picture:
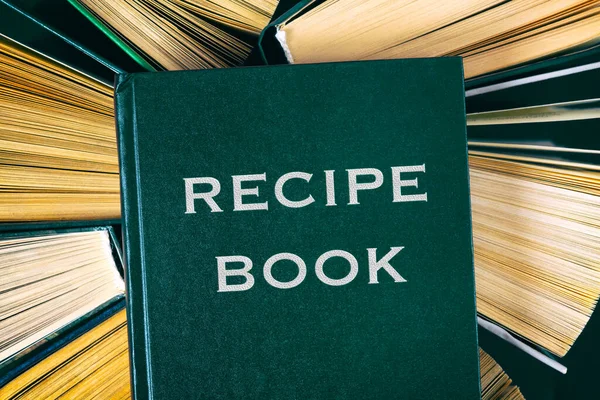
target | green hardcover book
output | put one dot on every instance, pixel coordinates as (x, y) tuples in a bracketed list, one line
[(299, 231)]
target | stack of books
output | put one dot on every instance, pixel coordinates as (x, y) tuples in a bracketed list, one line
[(532, 111)]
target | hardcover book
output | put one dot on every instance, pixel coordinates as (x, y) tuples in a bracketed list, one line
[(94, 364), (299, 231), (498, 40), (175, 35), (58, 280)]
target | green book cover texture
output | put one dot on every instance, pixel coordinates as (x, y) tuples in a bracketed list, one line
[(299, 232)]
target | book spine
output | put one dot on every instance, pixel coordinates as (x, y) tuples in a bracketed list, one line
[(132, 238)]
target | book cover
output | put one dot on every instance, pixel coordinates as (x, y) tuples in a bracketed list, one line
[(561, 79), (193, 35), (299, 231)]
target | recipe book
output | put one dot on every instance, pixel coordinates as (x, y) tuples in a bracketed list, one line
[(299, 231)]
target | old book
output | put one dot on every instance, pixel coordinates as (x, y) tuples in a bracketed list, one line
[(535, 160), (53, 281), (490, 35), (58, 152), (536, 207), (535, 236), (181, 34), (94, 365), (320, 236)]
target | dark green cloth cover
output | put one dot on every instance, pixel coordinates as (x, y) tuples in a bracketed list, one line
[(387, 340)]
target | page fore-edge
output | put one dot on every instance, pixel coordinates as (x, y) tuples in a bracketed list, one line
[(18, 363), (112, 36)]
